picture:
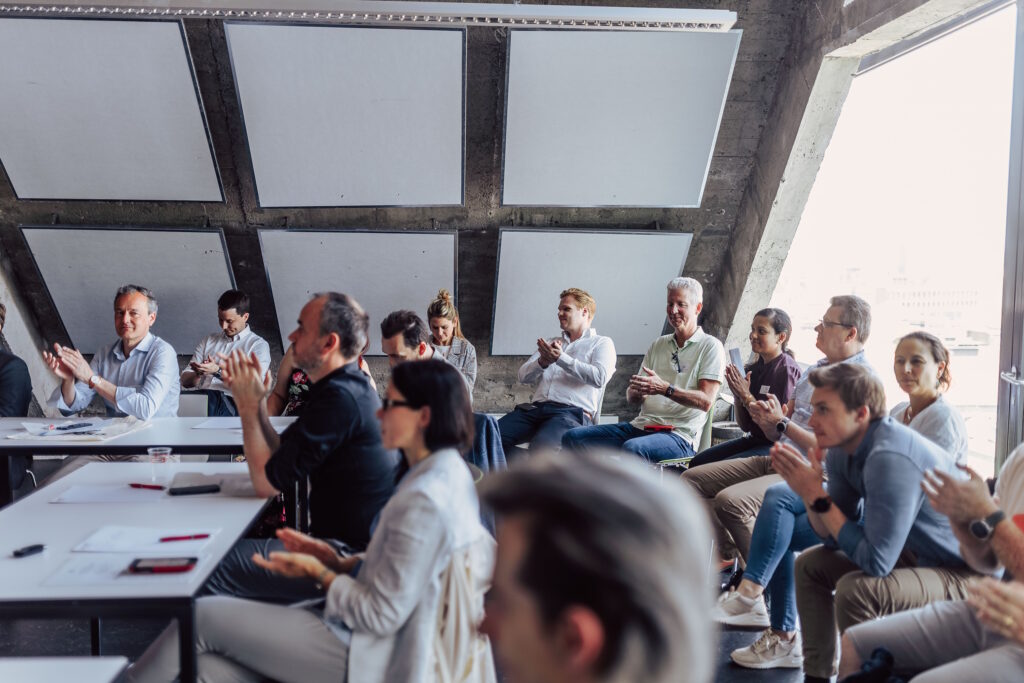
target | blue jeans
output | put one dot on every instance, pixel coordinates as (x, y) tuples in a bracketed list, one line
[(780, 532), (742, 447), (542, 425), (652, 446)]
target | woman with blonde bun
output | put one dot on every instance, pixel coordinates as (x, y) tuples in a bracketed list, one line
[(446, 337)]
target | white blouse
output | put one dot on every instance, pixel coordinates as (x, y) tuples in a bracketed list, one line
[(941, 424)]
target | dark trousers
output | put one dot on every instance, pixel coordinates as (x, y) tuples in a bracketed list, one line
[(742, 447), (218, 404), (239, 577), (542, 425)]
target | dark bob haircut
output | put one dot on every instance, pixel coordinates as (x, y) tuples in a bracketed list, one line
[(439, 386)]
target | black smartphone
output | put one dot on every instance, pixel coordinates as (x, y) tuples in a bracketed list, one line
[(194, 490), (162, 565)]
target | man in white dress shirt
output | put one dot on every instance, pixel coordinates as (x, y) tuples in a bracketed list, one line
[(204, 371), (571, 372)]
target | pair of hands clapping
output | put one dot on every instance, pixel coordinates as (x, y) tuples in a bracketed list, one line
[(549, 352), (305, 557), (68, 363)]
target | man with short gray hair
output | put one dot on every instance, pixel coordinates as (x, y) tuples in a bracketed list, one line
[(676, 386), (601, 574), (135, 376)]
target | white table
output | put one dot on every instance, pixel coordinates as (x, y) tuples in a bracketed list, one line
[(62, 669), (26, 589), (176, 432)]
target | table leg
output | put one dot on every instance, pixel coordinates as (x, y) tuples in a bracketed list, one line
[(187, 642), (95, 636), (6, 494)]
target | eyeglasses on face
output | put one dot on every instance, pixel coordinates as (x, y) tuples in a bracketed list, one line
[(389, 403), (830, 323)]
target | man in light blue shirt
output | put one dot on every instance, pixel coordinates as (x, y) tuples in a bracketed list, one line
[(886, 548), (135, 376)]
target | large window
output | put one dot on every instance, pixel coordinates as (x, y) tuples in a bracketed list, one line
[(909, 212)]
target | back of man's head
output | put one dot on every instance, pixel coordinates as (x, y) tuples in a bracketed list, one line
[(605, 535), (236, 299), (856, 385), (409, 325), (855, 313), (342, 315)]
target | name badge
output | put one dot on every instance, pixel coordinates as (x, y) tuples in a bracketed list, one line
[(765, 389)]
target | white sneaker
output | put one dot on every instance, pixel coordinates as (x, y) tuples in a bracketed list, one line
[(734, 609), (771, 652)]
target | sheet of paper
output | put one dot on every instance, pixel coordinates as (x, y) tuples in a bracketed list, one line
[(235, 423), (220, 423), (144, 540), (62, 428), (89, 571), (109, 493), (98, 570), (735, 358)]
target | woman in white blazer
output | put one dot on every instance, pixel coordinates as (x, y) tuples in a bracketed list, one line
[(380, 619)]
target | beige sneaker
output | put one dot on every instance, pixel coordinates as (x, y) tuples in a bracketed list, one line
[(770, 651), (732, 609)]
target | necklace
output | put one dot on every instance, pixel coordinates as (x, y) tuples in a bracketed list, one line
[(444, 354)]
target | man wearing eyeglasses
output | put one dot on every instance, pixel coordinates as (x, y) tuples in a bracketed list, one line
[(735, 488), (676, 386)]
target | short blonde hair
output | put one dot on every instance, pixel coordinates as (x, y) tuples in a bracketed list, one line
[(583, 299), (444, 307)]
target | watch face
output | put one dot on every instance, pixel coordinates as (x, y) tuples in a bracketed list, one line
[(980, 530)]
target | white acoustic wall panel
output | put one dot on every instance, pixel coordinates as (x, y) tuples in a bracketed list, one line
[(95, 109), (342, 116), (83, 267), (625, 272), (611, 118), (383, 271)]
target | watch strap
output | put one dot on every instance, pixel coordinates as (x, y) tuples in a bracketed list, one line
[(821, 505)]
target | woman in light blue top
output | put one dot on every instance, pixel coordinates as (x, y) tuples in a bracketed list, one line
[(384, 610)]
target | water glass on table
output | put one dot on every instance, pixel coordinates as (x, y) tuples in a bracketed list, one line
[(160, 455)]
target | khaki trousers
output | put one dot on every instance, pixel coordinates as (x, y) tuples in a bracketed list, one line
[(859, 598), (733, 491)]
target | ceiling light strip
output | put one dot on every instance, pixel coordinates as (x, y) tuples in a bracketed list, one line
[(448, 14)]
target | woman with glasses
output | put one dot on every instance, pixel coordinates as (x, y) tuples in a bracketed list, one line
[(921, 365), (775, 372), (416, 592)]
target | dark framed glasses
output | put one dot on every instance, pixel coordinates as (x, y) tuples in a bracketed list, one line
[(389, 403)]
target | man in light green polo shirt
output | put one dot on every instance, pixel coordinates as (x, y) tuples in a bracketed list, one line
[(676, 386)]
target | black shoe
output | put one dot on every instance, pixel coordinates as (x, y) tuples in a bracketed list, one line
[(733, 582)]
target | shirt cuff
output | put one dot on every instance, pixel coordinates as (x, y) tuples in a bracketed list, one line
[(565, 361)]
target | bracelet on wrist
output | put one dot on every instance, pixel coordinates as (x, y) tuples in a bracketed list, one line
[(322, 577)]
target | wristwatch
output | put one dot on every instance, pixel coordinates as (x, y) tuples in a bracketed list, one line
[(822, 505), (781, 425), (93, 380), (982, 529), (670, 391)]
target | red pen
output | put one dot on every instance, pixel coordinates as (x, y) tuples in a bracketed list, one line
[(193, 537), (153, 487)]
